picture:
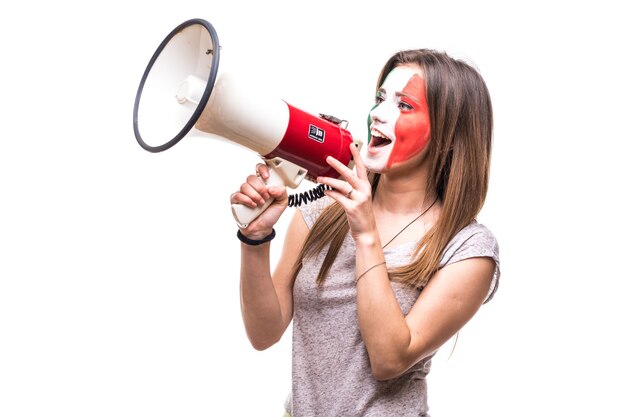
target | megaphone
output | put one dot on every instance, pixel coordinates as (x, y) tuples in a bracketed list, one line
[(181, 91)]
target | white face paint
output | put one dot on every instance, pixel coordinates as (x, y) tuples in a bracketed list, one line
[(400, 126)]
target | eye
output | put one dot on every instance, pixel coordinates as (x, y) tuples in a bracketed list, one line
[(380, 97), (405, 106)]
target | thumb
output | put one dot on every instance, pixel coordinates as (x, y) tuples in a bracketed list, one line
[(278, 192)]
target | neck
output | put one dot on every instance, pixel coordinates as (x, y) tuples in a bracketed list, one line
[(402, 192)]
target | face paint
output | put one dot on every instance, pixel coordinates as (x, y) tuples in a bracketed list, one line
[(400, 124)]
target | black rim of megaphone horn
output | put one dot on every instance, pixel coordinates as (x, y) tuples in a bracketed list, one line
[(205, 97)]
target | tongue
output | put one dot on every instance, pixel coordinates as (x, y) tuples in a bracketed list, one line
[(379, 142)]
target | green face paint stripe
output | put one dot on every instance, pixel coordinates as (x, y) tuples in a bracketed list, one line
[(369, 123)]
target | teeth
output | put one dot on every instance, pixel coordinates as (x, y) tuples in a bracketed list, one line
[(377, 134), (378, 139)]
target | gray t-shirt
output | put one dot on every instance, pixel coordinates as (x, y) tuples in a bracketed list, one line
[(331, 374)]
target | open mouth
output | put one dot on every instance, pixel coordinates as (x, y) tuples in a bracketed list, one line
[(378, 139)]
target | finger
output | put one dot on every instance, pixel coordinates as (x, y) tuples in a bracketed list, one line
[(263, 170), (338, 196), (258, 185), (361, 170), (343, 170), (240, 198), (278, 193), (253, 193), (336, 184)]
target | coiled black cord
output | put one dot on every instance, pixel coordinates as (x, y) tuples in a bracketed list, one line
[(296, 200)]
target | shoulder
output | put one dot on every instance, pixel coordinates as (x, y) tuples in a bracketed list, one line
[(474, 240), (311, 211)]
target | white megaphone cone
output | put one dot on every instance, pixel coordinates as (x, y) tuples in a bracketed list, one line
[(181, 90)]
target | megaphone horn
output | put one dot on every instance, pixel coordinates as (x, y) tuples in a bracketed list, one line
[(180, 90)]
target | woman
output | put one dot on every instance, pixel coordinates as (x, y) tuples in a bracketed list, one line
[(391, 264)]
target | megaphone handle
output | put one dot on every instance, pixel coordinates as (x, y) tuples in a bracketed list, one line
[(245, 215)]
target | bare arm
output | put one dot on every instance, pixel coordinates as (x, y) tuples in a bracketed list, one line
[(450, 299), (453, 295), (266, 299)]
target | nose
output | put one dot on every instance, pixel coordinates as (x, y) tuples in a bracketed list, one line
[(376, 114)]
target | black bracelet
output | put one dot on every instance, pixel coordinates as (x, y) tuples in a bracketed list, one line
[(254, 242)]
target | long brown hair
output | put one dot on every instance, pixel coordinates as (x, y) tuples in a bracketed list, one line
[(460, 151)]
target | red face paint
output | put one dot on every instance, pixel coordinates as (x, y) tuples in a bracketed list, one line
[(412, 129)]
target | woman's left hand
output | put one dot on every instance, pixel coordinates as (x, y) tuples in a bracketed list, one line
[(354, 193)]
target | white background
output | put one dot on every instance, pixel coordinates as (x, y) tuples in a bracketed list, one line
[(119, 268)]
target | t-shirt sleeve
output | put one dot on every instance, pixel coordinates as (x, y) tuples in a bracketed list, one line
[(475, 241)]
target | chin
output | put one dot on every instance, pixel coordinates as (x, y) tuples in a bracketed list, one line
[(377, 163), (374, 170), (374, 164)]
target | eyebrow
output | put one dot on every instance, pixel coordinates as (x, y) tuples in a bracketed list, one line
[(401, 94)]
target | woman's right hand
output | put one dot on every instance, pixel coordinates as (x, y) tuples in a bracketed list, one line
[(253, 193)]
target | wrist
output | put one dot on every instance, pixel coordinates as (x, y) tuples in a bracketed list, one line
[(366, 240), (254, 240)]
